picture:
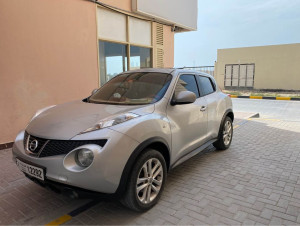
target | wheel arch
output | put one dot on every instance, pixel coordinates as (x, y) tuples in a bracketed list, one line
[(156, 143), (228, 113)]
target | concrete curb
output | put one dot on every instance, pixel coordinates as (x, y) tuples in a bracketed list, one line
[(255, 116), (265, 98), (245, 120), (6, 145)]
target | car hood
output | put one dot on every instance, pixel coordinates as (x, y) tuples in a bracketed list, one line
[(65, 121)]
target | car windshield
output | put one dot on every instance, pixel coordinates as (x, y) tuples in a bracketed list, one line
[(133, 89)]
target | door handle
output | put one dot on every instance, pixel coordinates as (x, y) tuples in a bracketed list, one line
[(203, 108)]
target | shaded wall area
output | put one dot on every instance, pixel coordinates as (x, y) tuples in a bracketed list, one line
[(48, 55)]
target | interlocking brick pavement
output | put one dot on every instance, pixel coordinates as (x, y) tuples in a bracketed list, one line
[(256, 181), (24, 202)]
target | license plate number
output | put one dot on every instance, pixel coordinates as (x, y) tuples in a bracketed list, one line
[(31, 170)]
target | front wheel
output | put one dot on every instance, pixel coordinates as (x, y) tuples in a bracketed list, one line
[(146, 181), (225, 135)]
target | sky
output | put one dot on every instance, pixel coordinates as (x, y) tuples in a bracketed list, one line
[(237, 23)]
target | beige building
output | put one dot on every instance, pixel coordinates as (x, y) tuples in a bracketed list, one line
[(54, 51), (275, 67)]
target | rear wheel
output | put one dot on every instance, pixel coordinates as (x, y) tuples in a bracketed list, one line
[(225, 135), (146, 181)]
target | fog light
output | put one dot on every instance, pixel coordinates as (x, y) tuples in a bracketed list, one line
[(84, 157)]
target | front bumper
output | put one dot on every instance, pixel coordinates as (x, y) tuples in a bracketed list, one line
[(102, 176), (71, 191)]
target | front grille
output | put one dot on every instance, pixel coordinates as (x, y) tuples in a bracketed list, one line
[(57, 147), (25, 140)]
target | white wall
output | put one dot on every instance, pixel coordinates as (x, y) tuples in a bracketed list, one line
[(182, 13)]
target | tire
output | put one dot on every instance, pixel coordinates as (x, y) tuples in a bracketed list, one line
[(225, 135), (141, 200)]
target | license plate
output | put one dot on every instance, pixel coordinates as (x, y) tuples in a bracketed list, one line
[(31, 170)]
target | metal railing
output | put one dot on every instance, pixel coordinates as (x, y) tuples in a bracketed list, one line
[(206, 69)]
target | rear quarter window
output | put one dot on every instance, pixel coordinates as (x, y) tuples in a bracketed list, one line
[(207, 85)]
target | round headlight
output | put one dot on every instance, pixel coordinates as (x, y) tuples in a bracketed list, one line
[(84, 157)]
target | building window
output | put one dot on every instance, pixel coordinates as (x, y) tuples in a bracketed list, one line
[(140, 57), (124, 42), (139, 32), (111, 25), (112, 60), (239, 75)]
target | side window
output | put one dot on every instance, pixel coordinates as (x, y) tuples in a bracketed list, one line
[(207, 86), (187, 83)]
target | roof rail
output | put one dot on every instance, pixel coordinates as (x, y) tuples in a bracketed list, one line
[(205, 69)]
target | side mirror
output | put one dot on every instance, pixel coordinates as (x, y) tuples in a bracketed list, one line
[(94, 91), (184, 97)]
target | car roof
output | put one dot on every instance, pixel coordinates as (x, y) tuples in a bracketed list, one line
[(169, 71), (160, 70)]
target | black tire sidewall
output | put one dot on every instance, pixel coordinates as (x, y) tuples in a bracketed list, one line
[(221, 132), (148, 154)]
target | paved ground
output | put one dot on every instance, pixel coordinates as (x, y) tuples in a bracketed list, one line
[(287, 110), (256, 181)]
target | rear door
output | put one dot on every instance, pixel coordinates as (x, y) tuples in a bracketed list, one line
[(208, 92), (188, 121)]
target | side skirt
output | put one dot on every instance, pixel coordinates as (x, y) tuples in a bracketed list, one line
[(192, 153)]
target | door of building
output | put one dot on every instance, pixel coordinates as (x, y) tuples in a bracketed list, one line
[(239, 76)]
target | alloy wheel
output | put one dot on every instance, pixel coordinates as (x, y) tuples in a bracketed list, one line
[(149, 181), (227, 133)]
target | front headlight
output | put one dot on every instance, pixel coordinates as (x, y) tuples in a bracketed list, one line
[(112, 121), (41, 111), (84, 157)]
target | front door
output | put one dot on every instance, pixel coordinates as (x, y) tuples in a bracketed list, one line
[(188, 121)]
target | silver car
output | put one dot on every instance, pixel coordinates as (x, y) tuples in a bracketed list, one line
[(123, 139)]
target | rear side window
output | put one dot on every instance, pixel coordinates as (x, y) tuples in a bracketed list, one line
[(206, 85), (187, 83)]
